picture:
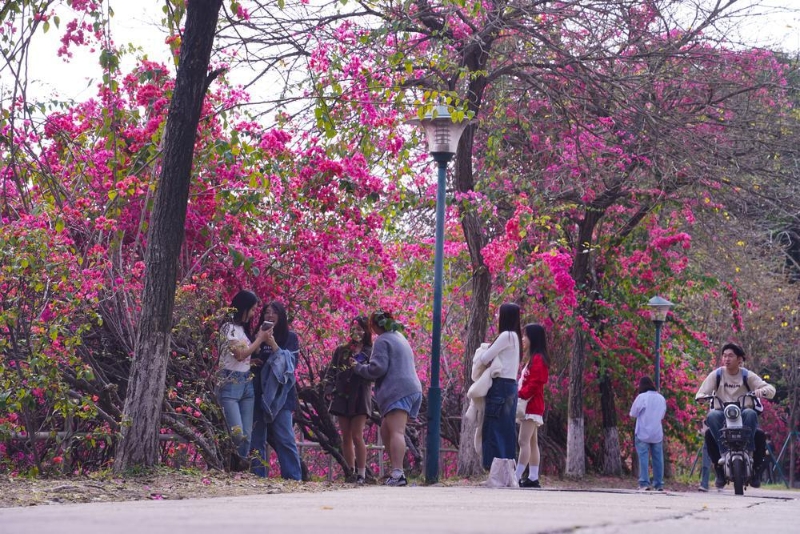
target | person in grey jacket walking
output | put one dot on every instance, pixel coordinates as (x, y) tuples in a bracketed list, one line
[(398, 391)]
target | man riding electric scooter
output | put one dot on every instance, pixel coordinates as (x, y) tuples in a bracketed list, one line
[(728, 384)]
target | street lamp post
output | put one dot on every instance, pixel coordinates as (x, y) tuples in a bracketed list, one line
[(659, 308), (443, 135)]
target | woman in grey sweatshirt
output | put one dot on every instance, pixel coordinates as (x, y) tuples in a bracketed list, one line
[(398, 391)]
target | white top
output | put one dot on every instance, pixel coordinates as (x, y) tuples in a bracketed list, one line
[(506, 349), (232, 333), (649, 409)]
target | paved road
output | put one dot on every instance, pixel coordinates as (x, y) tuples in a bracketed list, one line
[(423, 510)]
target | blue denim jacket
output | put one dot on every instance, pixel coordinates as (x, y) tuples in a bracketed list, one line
[(278, 380)]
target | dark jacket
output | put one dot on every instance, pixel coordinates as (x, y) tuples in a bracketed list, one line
[(351, 394)]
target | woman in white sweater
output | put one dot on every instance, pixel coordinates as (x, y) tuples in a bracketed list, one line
[(499, 428), (235, 392)]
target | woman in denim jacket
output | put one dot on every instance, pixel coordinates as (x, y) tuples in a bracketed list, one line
[(235, 386), (277, 425)]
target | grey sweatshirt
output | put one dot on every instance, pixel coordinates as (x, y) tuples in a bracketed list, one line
[(391, 366)]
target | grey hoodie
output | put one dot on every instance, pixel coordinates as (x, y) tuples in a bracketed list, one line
[(391, 366)]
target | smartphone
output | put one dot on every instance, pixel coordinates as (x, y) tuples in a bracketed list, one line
[(266, 325)]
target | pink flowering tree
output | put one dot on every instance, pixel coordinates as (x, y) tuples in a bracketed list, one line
[(599, 139)]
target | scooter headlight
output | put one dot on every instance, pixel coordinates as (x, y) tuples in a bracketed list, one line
[(732, 411)]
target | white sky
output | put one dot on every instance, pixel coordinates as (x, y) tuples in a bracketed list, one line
[(134, 21), (138, 22)]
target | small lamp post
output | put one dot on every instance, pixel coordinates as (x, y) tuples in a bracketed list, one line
[(443, 135), (659, 308)]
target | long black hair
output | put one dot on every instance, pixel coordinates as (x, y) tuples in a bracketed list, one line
[(646, 384), (243, 301), (363, 322), (281, 329), (509, 321), (538, 342)]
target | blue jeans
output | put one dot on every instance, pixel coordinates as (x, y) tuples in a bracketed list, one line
[(705, 470), (283, 439), (236, 398), (499, 428), (656, 451), (716, 420)]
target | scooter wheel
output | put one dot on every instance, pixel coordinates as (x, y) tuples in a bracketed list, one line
[(738, 471)]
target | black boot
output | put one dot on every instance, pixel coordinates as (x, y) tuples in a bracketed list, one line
[(350, 477), (755, 480), (719, 471)]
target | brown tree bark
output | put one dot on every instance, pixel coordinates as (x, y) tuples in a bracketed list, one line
[(576, 455), (142, 413), (469, 460), (475, 58), (581, 267), (612, 457)]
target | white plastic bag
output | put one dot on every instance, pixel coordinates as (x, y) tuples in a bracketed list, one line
[(503, 474), (521, 405)]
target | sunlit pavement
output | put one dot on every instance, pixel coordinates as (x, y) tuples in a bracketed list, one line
[(418, 509)]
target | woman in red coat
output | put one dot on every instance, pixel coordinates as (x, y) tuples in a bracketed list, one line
[(531, 388)]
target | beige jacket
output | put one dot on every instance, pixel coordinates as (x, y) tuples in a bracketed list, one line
[(731, 387), (482, 376)]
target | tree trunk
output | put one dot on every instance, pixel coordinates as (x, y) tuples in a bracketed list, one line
[(576, 457), (470, 462), (142, 413), (612, 456), (576, 454)]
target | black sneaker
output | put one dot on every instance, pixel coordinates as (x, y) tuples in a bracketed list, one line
[(399, 481), (360, 481), (350, 478), (528, 483), (755, 480), (720, 472)]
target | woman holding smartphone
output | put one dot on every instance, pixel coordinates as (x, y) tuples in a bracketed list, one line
[(280, 349), (351, 401), (235, 391)]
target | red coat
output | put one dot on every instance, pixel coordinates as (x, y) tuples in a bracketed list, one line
[(534, 377)]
